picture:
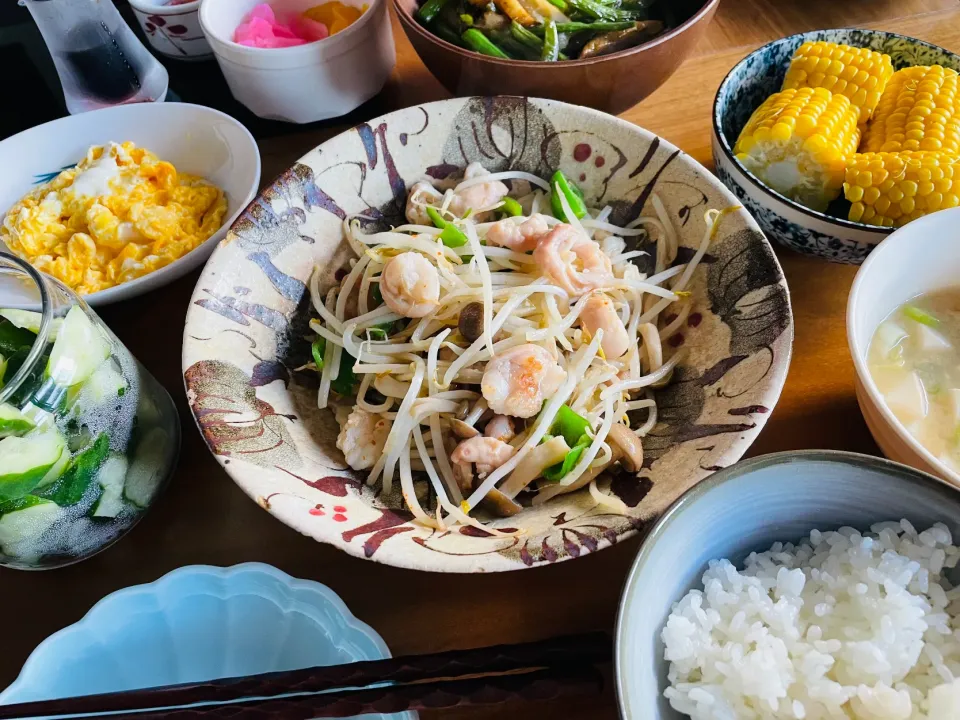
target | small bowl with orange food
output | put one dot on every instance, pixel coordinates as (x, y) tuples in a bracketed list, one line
[(301, 61), (834, 138)]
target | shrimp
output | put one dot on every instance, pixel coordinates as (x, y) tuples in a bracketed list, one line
[(501, 428), (362, 438), (410, 285), (486, 453), (421, 194), (599, 313), (476, 197), (573, 261), (517, 381), (523, 237)]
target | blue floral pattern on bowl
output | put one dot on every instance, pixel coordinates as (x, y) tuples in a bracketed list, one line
[(195, 624), (752, 81)]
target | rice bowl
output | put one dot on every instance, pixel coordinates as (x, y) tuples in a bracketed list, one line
[(842, 624), (790, 495)]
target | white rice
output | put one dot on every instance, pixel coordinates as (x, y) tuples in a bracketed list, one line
[(841, 625)]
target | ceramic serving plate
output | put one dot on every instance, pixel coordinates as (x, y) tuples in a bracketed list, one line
[(195, 624), (245, 328), (196, 139)]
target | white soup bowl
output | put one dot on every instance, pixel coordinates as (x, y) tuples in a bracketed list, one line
[(920, 257)]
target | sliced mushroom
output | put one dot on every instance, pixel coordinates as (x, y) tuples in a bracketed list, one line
[(496, 503), (529, 469), (462, 430), (611, 42), (556, 489), (463, 474), (630, 448), (470, 323)]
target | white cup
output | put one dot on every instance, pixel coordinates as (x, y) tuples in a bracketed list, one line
[(305, 83), (172, 30)]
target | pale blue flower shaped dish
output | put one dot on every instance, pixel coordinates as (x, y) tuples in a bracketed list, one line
[(198, 623), (753, 80)]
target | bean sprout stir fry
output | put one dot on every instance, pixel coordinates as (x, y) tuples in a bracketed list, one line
[(498, 345)]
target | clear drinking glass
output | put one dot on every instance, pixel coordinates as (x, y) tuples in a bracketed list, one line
[(99, 59), (88, 437)]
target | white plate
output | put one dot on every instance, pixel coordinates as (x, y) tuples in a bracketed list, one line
[(196, 139)]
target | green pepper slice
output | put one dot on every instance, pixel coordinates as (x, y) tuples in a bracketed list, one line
[(571, 193)]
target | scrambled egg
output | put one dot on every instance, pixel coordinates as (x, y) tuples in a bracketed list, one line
[(119, 214)]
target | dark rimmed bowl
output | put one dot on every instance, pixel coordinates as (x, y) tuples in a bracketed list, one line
[(753, 80), (745, 508), (612, 83)]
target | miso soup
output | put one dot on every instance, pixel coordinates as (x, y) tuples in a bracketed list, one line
[(914, 359)]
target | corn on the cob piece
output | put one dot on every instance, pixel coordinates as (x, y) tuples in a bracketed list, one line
[(919, 110), (860, 74), (891, 189), (798, 142)]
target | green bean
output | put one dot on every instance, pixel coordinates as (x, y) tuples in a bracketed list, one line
[(346, 382), (525, 37), (572, 27), (444, 32), (571, 193), (561, 5), (450, 234), (317, 348), (478, 42), (430, 9), (551, 42), (511, 207), (598, 11)]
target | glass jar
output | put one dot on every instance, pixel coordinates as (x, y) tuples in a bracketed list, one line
[(88, 437), (99, 59)]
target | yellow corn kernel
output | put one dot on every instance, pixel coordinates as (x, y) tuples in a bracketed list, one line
[(919, 110), (915, 184), (860, 74), (798, 142)]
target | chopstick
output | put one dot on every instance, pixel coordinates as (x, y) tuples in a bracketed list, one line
[(539, 685), (554, 666)]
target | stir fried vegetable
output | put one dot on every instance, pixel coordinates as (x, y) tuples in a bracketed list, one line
[(570, 192), (545, 30), (452, 236)]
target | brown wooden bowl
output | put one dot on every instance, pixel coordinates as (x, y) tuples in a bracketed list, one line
[(612, 83)]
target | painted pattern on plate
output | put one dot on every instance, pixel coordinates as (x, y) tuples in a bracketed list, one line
[(247, 324)]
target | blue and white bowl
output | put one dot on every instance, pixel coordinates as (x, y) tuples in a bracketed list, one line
[(745, 508), (195, 624), (753, 80)]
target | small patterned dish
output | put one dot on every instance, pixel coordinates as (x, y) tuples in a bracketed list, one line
[(244, 341), (746, 86), (173, 30), (195, 624)]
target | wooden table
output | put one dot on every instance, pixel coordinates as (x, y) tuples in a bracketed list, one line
[(205, 518)]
